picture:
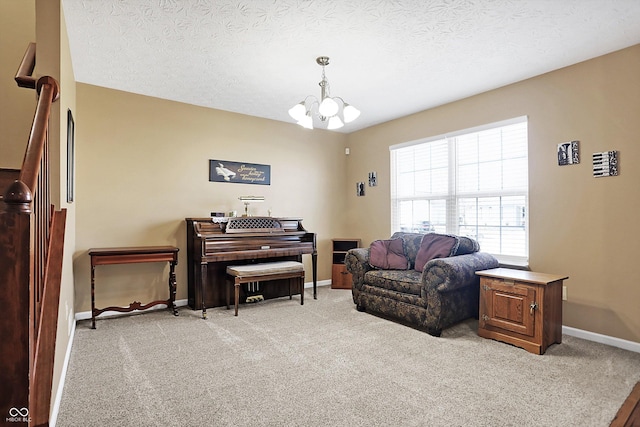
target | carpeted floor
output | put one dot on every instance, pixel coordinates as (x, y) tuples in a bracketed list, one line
[(325, 364)]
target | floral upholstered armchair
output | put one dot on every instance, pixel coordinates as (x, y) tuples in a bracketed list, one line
[(425, 280)]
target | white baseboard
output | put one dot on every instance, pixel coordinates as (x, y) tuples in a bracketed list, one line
[(602, 339), (320, 283), (53, 418)]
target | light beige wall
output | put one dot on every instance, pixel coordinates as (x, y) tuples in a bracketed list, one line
[(53, 59), (66, 312), (142, 168), (17, 30), (581, 226)]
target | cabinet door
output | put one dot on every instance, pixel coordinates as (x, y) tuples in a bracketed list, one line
[(508, 306), (340, 277)]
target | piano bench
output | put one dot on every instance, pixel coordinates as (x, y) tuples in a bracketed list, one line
[(266, 271)]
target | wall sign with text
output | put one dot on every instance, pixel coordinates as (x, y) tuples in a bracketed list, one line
[(238, 172)]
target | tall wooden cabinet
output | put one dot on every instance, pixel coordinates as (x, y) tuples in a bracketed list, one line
[(340, 277), (522, 308)]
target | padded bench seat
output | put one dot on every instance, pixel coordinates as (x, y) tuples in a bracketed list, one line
[(266, 271)]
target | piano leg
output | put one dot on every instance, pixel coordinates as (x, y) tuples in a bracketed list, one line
[(203, 281), (314, 264)]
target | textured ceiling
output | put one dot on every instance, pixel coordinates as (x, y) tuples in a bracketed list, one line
[(388, 58)]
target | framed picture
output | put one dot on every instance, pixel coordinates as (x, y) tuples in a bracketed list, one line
[(71, 128), (568, 153), (373, 179), (239, 172), (605, 164)]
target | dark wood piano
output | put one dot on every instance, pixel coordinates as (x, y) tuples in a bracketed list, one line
[(214, 243)]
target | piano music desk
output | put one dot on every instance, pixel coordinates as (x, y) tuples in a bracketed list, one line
[(111, 256)]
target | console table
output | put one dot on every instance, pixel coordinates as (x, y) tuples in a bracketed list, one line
[(110, 256)]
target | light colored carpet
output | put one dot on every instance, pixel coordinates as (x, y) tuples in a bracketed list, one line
[(325, 364)]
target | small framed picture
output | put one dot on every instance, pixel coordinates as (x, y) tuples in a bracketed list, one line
[(605, 164), (373, 179), (71, 149), (360, 189), (568, 153)]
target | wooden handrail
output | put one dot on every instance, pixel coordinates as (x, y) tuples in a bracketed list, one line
[(48, 89), (25, 70)]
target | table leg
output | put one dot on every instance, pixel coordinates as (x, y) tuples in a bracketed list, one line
[(93, 297), (301, 282), (237, 294), (172, 286)]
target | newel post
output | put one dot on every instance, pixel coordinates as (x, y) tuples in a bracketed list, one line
[(18, 198)]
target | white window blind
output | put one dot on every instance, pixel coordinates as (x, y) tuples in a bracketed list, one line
[(472, 183)]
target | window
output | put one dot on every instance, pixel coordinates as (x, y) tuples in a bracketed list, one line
[(472, 183)]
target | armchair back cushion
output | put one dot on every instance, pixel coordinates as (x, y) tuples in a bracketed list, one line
[(388, 255), (435, 245)]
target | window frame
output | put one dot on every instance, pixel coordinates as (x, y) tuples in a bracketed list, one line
[(453, 195)]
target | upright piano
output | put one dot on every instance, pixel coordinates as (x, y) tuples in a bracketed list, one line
[(217, 242)]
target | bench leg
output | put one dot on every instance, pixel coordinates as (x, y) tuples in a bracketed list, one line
[(237, 295)]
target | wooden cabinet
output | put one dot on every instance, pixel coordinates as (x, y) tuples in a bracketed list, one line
[(340, 277), (522, 308)]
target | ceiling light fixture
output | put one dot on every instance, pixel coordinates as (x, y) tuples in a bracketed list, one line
[(327, 109)]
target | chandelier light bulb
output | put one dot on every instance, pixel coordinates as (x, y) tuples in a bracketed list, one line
[(335, 123), (306, 121), (350, 113), (328, 107), (298, 111)]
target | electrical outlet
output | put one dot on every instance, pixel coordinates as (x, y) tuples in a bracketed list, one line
[(564, 293)]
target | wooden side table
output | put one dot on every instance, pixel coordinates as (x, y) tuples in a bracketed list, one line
[(522, 308), (110, 256), (340, 277)]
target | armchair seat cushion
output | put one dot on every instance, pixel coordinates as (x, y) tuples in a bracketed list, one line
[(405, 281)]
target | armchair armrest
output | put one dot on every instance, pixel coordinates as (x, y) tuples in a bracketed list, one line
[(456, 272), (357, 263)]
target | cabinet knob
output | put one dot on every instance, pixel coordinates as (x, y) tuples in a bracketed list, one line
[(533, 306)]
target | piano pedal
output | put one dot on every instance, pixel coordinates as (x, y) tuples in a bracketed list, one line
[(254, 298)]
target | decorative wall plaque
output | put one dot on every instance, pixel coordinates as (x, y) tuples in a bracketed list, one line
[(605, 164), (238, 172), (568, 153)]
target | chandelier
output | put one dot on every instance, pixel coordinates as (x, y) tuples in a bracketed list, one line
[(327, 109)]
